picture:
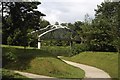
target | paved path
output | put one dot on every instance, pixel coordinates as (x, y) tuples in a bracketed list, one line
[(90, 72), (30, 75)]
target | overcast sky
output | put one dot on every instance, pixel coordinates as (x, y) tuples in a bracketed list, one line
[(68, 10)]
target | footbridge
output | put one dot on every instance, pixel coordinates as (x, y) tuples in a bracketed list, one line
[(48, 29)]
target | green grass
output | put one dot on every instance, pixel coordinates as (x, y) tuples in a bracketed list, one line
[(20, 47), (10, 75), (58, 50), (54, 67), (42, 62), (107, 61)]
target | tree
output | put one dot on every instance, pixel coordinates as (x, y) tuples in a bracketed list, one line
[(87, 19), (64, 24), (20, 18), (44, 23), (105, 34), (56, 23)]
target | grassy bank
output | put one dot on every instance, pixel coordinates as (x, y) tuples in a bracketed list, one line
[(10, 75), (107, 61), (58, 50), (37, 61)]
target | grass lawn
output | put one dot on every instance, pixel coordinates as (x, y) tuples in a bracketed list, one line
[(58, 50), (107, 61), (19, 47), (37, 61)]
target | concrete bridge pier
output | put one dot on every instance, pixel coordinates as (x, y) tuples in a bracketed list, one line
[(39, 43)]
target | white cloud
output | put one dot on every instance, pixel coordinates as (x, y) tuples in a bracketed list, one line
[(67, 10), (53, 17)]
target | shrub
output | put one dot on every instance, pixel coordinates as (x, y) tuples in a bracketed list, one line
[(57, 50), (8, 56), (10, 75), (7, 74), (77, 48)]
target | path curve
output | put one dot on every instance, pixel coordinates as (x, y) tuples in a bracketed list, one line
[(30, 75), (90, 72)]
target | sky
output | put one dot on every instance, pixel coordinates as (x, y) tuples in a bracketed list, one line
[(65, 11)]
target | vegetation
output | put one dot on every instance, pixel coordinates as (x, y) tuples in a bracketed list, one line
[(39, 62), (10, 75), (101, 34), (105, 29), (77, 48), (58, 50), (21, 18), (107, 61)]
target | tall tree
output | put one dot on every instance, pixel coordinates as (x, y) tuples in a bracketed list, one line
[(19, 19), (106, 29)]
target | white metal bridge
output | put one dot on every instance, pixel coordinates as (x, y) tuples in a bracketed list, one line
[(48, 29)]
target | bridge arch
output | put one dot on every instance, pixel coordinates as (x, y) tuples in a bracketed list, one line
[(50, 28)]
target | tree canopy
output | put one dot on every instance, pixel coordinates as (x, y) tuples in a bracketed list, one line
[(99, 34), (19, 18)]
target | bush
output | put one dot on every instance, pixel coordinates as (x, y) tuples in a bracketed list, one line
[(8, 56), (10, 75), (7, 74), (77, 48), (57, 50)]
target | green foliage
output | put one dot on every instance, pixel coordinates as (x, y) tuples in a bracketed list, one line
[(10, 75), (56, 23), (107, 25), (99, 34), (116, 43), (55, 43), (9, 57), (44, 23), (77, 48), (102, 33), (20, 18), (9, 40)]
